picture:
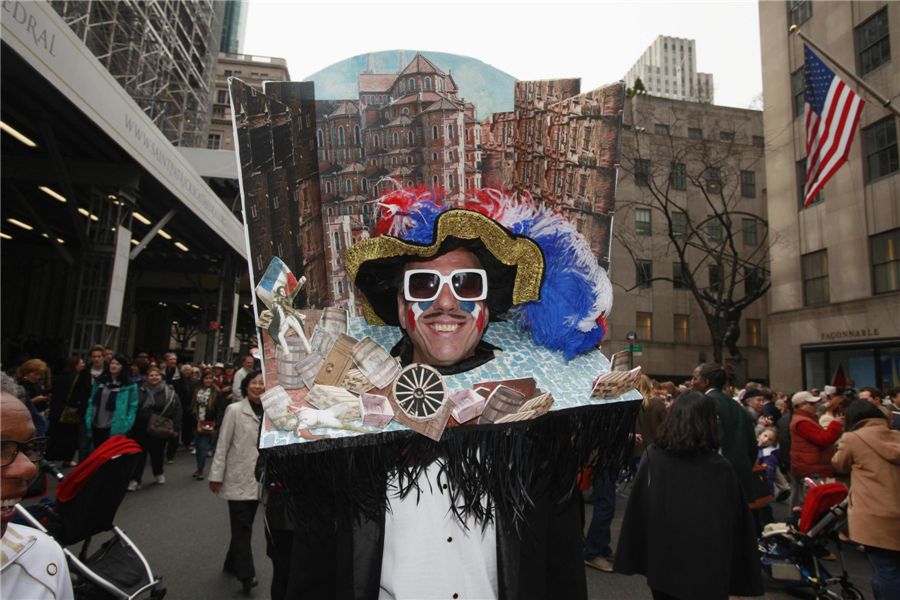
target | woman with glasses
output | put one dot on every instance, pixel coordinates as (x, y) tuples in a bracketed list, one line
[(114, 402), (33, 564)]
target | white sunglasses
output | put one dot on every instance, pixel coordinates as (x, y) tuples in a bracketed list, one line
[(424, 285)]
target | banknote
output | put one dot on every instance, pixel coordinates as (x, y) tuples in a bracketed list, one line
[(326, 396)]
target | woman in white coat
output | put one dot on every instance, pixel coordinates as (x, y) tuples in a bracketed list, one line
[(232, 476)]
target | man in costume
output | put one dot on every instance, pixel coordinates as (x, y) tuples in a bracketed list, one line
[(488, 511)]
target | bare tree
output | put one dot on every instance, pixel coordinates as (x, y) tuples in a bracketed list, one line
[(693, 169)]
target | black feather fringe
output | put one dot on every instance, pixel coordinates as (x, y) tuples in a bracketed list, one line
[(483, 466)]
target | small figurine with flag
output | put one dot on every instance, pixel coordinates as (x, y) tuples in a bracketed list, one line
[(277, 289)]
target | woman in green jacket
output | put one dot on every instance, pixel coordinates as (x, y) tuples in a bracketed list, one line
[(113, 404)]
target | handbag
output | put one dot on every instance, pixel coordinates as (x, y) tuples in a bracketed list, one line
[(760, 487), (69, 414), (206, 426), (160, 426)]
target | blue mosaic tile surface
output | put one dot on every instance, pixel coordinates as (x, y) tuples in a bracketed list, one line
[(569, 383)]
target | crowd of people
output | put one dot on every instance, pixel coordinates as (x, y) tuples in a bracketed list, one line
[(705, 442), (701, 443)]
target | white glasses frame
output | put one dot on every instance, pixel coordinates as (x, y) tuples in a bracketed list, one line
[(445, 279)]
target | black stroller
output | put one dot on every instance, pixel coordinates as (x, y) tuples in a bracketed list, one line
[(793, 554), (86, 508)]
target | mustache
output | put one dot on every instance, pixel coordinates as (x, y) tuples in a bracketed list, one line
[(461, 317)]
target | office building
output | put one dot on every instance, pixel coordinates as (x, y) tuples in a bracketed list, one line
[(835, 296), (668, 68)]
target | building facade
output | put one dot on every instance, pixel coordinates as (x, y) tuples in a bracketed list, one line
[(835, 295), (252, 70), (234, 25), (668, 68), (667, 147), (410, 129), (163, 54)]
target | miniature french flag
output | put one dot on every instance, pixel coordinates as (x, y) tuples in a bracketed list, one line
[(278, 274)]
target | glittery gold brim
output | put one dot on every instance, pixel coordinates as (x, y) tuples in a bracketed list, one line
[(518, 251)]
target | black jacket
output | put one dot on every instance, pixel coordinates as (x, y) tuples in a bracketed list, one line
[(218, 409), (543, 559), (161, 399), (688, 528)]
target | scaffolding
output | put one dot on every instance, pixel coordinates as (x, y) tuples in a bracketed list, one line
[(164, 54)]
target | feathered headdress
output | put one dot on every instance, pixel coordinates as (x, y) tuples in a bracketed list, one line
[(572, 293)]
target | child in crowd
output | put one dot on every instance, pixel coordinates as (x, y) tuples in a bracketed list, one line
[(768, 456)]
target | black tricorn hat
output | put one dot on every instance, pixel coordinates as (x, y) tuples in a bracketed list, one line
[(514, 263)]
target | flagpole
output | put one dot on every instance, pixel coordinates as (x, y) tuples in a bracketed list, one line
[(884, 101)]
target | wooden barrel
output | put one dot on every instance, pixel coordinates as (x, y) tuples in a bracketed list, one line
[(502, 401), (285, 361)]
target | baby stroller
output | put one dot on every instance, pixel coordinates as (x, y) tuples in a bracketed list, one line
[(87, 501), (793, 554)]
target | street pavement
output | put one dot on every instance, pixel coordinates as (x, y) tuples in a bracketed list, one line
[(182, 530)]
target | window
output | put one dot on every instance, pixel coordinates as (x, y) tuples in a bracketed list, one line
[(450, 182), (341, 140), (751, 235), (337, 241), (356, 134), (642, 221), (695, 133), (412, 84), (679, 276), (586, 144), (327, 187), (801, 185), (753, 280), (582, 182), (644, 325), (644, 273), (340, 289), (642, 171), (714, 230), (661, 129), (434, 156), (726, 136), (348, 186), (428, 83), (213, 141), (679, 224), (886, 261), (450, 156), (450, 131), (682, 329), (798, 91), (434, 180), (713, 180), (880, 148), (409, 160), (395, 137), (434, 132), (815, 278), (799, 11), (873, 43), (716, 281), (748, 184), (678, 177), (754, 333), (759, 141), (227, 73), (410, 138), (222, 97)]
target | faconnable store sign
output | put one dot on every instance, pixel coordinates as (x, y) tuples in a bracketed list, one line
[(40, 36)]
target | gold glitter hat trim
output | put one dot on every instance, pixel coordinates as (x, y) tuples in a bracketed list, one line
[(511, 250)]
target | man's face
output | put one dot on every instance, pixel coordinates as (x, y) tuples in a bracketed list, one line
[(97, 359), (867, 396), (756, 403), (15, 425), (107, 355), (187, 369), (809, 407), (699, 384), (248, 363), (446, 330), (171, 361)]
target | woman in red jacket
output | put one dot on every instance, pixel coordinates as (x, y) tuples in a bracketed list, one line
[(812, 446)]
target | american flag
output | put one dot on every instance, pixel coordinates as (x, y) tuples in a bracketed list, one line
[(832, 112)]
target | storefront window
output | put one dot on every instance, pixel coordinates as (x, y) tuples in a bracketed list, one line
[(890, 367), (857, 366), (815, 370)]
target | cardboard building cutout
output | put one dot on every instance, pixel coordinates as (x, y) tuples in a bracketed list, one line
[(331, 187)]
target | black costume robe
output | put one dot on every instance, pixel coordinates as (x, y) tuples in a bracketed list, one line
[(688, 528)]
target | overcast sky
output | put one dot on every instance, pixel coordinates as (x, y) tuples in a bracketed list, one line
[(597, 41)]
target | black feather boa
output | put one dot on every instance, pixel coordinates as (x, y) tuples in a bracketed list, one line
[(483, 466)]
